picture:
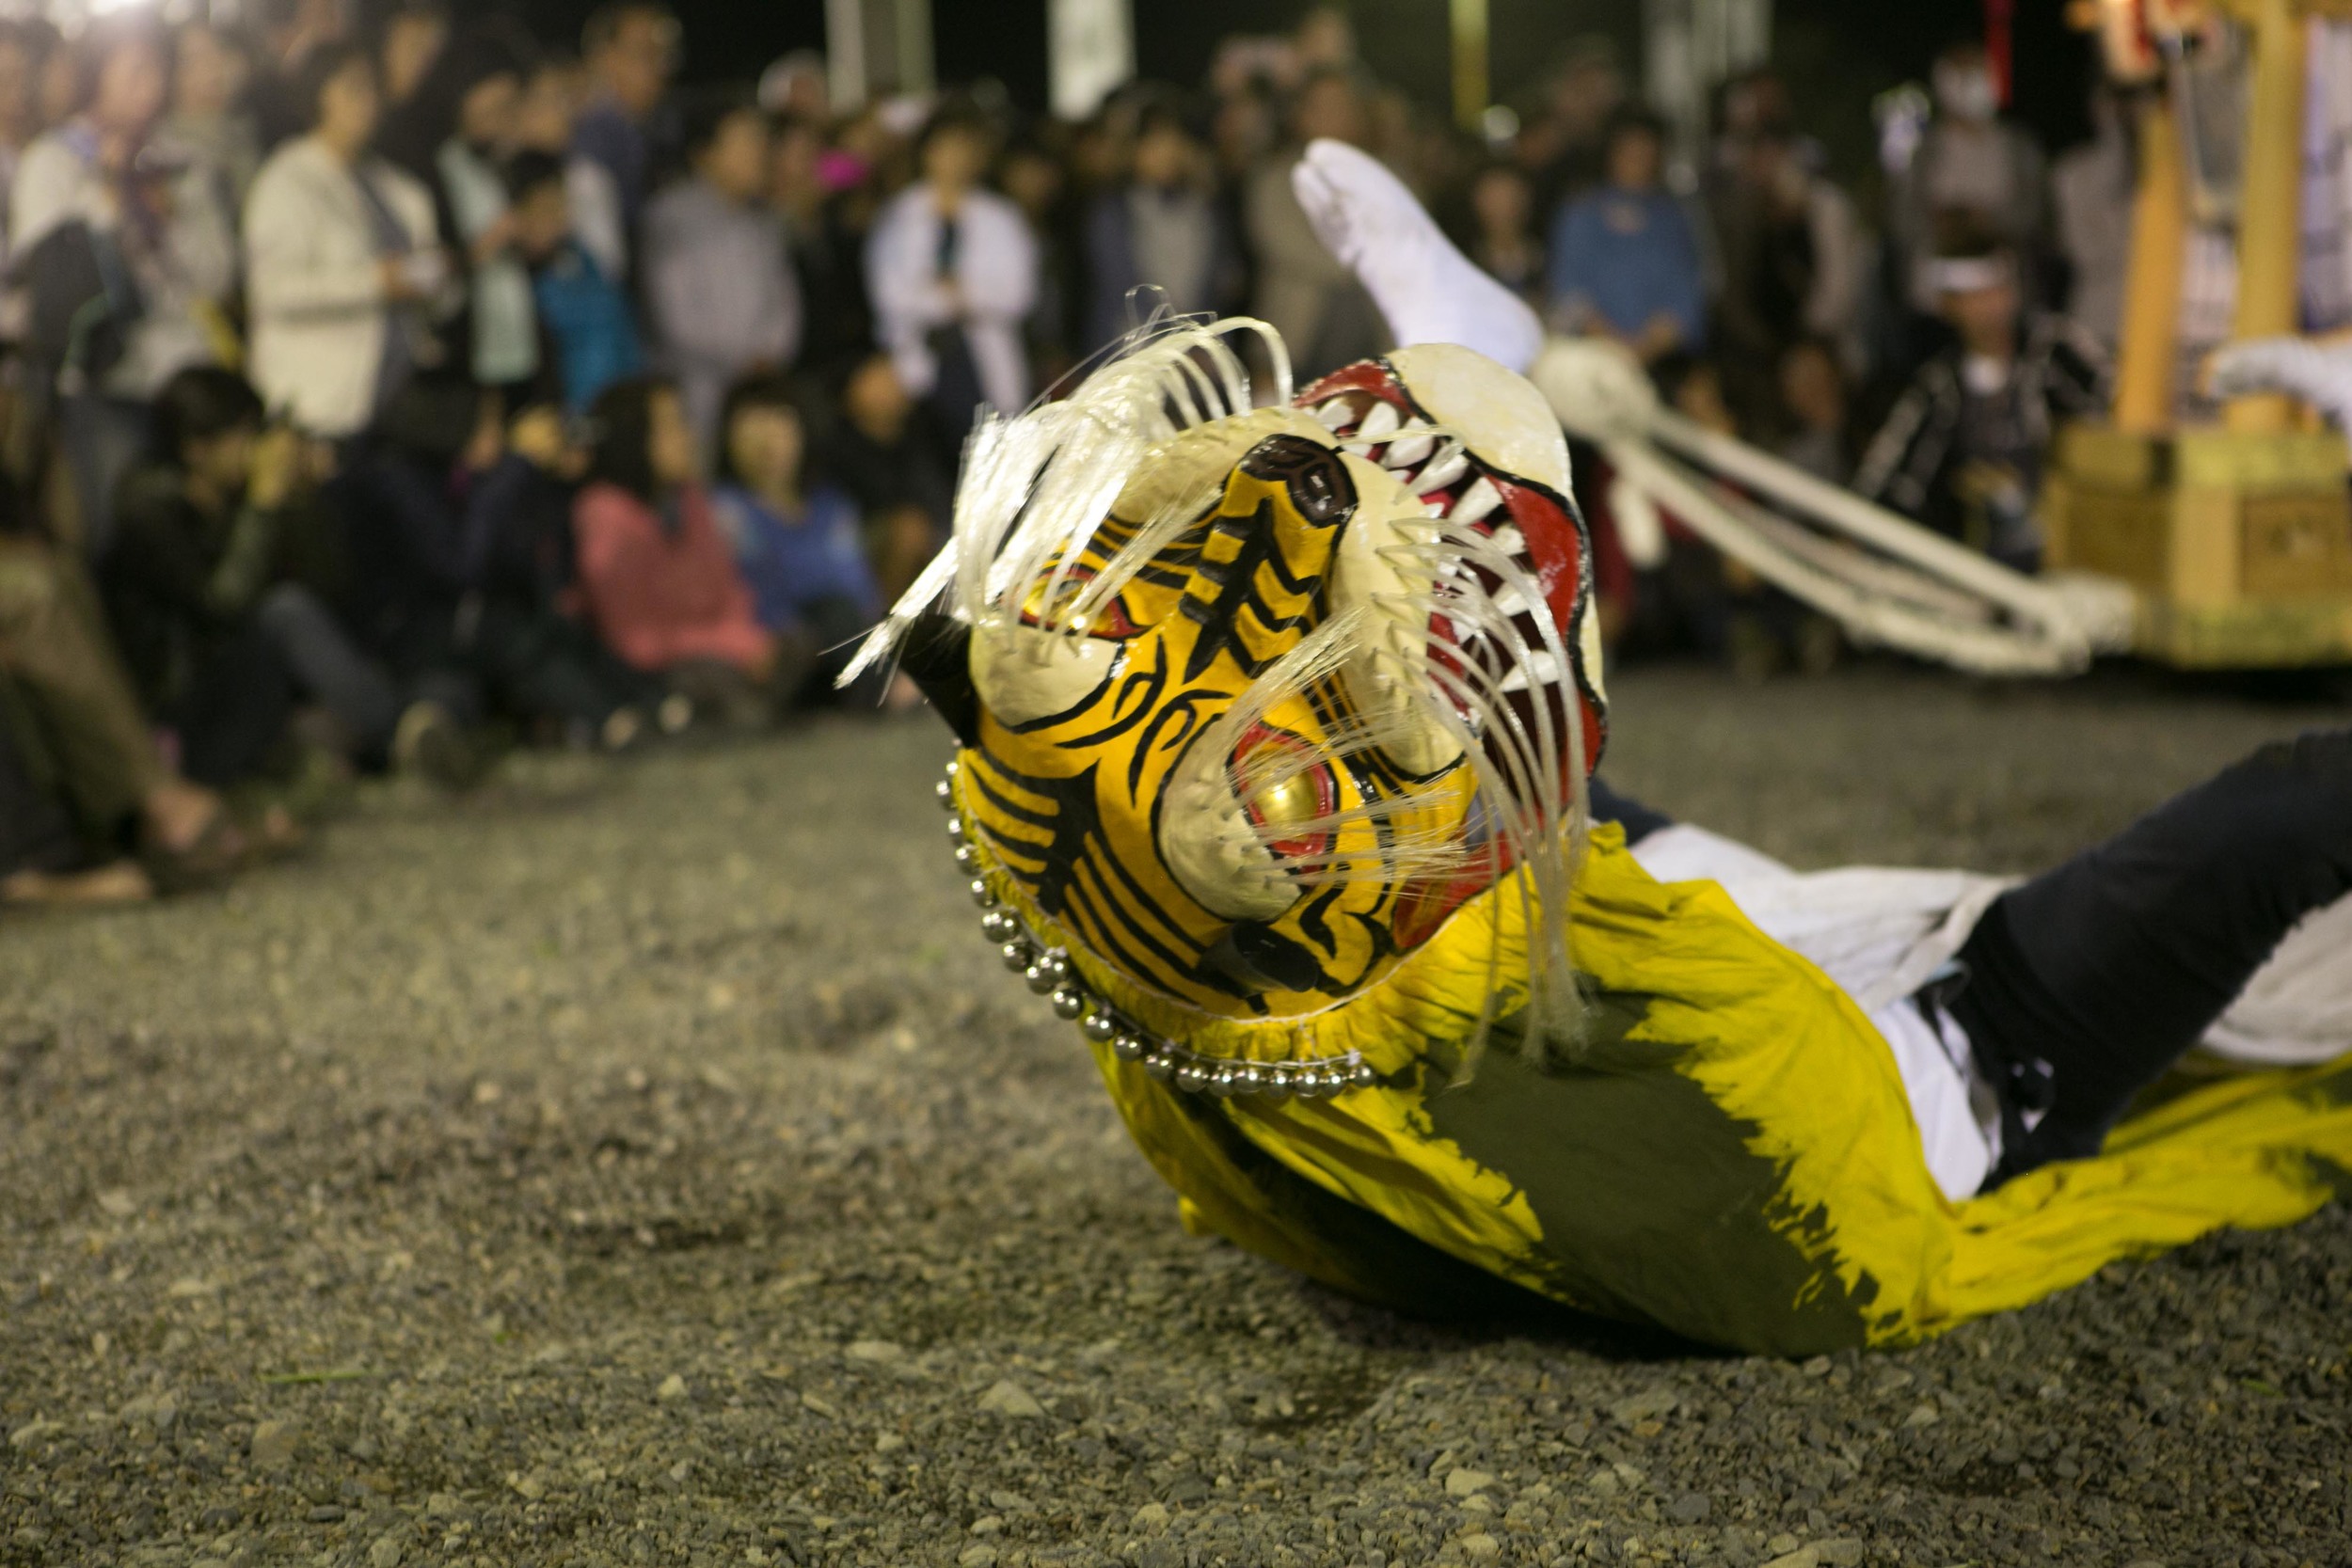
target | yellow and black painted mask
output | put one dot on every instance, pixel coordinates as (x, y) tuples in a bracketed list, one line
[(1252, 699)]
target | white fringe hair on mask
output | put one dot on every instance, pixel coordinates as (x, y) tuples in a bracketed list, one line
[(1037, 488)]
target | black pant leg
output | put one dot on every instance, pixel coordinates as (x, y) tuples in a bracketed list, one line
[(1640, 821), (2086, 984), (234, 710)]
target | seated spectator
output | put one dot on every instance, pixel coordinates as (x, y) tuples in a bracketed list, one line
[(1961, 450), (582, 311), (656, 579), (1813, 410), (207, 592), (342, 259), (460, 538), (481, 81), (207, 119), (719, 286), (127, 255), (886, 455), (797, 544), (1162, 229), (1624, 261), (85, 780), (952, 270)]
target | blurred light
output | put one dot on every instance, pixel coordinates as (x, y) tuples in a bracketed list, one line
[(111, 8), (1499, 125)]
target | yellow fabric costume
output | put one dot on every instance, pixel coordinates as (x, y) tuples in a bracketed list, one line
[(1274, 726), (1732, 1158)]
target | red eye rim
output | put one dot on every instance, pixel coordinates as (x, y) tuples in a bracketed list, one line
[(1111, 621), (1318, 777)]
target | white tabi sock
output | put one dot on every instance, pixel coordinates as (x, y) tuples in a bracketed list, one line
[(1429, 292)]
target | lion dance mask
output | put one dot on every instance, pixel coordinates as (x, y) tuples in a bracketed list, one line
[(1274, 729)]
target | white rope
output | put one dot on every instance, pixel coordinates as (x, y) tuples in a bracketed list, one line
[(1872, 614), (1884, 579)]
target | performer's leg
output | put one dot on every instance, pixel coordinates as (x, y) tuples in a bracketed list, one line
[(2084, 984), (1639, 820), (1429, 292)]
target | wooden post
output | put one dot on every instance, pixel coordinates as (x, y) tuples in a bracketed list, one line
[(1468, 26), (2270, 206), (2145, 372)]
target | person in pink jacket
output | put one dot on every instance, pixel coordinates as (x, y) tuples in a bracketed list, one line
[(655, 577)]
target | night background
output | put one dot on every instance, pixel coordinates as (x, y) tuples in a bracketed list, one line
[(1836, 55)]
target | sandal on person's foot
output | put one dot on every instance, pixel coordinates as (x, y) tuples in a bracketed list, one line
[(430, 744), (218, 849), (106, 886), (621, 729)]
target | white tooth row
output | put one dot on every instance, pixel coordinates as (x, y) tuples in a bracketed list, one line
[(1399, 455), (1404, 454)]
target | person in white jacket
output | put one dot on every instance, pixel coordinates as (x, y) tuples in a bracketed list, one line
[(953, 272), (343, 260), (152, 211)]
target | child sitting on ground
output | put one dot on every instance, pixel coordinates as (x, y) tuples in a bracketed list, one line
[(797, 544), (655, 576)]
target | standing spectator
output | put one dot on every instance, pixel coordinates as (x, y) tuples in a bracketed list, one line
[(1325, 318), (889, 460), (952, 271), (482, 81), (826, 255), (582, 311), (1033, 177), (208, 117), (1968, 160), (1502, 235), (290, 33), (2092, 188), (342, 259), (20, 86), (1563, 145), (630, 50), (658, 580), (1162, 229), (793, 88), (719, 286), (550, 110), (1624, 261), (409, 46), (1792, 265), (206, 589), (129, 257), (797, 544), (1963, 449)]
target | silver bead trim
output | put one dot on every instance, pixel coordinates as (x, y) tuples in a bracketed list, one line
[(1050, 975)]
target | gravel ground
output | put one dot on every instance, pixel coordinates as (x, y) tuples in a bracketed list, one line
[(650, 1164)]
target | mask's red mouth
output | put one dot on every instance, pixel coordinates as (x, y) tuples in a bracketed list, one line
[(1368, 408)]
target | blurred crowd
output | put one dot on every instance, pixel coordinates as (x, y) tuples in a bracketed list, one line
[(383, 390)]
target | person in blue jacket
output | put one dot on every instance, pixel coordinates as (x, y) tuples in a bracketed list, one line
[(800, 547), (582, 311), (1624, 262)]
